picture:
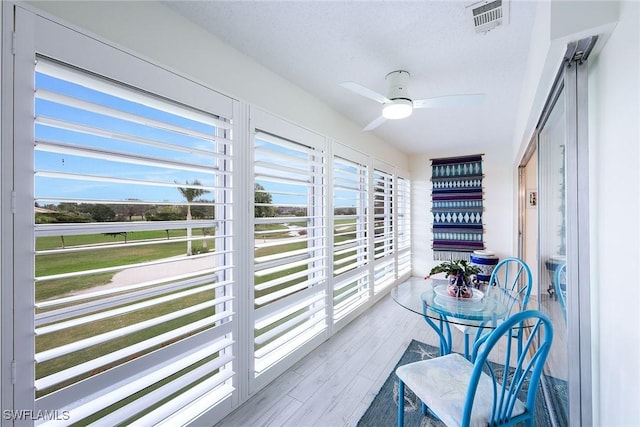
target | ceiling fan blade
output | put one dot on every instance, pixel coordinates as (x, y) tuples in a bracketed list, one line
[(450, 101), (363, 91), (374, 124)]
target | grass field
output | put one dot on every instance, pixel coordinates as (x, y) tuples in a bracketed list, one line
[(346, 232), (66, 336), (55, 242), (101, 257), (104, 256)]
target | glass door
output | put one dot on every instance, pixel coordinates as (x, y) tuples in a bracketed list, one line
[(560, 202), (552, 252)]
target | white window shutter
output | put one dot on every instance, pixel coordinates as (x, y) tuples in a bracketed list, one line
[(383, 229), (133, 269), (351, 281), (290, 247)]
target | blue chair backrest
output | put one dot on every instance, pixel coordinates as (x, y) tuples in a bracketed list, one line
[(525, 375), (560, 284), (512, 276)]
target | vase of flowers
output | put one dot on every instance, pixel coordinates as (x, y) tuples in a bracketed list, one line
[(460, 274)]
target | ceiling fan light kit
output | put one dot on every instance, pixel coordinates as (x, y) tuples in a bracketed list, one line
[(397, 109), (399, 105)]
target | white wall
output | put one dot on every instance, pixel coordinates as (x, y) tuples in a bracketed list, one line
[(557, 23), (614, 100), (498, 203), (153, 31)]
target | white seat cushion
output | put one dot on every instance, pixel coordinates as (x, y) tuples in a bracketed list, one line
[(441, 383)]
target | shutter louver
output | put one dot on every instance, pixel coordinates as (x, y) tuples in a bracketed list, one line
[(133, 303), (290, 252), (404, 226), (383, 230), (350, 250)]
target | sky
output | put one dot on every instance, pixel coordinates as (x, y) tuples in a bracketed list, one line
[(61, 130), (76, 142)]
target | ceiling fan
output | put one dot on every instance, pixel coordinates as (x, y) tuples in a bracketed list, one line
[(398, 104)]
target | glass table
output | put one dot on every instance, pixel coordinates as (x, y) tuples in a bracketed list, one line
[(481, 313)]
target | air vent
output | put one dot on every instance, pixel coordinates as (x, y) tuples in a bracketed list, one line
[(486, 15)]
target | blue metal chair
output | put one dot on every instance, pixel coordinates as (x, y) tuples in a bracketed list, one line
[(560, 284), (464, 393), (511, 282), (440, 326)]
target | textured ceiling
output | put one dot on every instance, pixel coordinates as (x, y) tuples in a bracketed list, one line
[(319, 44)]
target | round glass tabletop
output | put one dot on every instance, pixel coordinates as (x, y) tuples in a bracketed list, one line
[(430, 298)]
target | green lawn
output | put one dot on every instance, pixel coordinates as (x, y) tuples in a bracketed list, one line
[(51, 264), (103, 257), (55, 242), (290, 247), (268, 231), (57, 339)]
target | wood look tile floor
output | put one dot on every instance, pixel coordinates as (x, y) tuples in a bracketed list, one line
[(335, 384)]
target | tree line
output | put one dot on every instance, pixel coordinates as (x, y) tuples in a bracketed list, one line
[(95, 212), (133, 210)]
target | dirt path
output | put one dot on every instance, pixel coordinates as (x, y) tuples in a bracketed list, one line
[(132, 276)]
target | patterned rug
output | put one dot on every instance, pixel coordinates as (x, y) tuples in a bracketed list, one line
[(383, 411)]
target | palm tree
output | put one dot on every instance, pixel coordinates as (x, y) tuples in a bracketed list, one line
[(190, 193)]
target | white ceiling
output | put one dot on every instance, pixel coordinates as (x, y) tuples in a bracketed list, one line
[(319, 44)]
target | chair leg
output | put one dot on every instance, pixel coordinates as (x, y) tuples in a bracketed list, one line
[(400, 403), (466, 346), (519, 342)]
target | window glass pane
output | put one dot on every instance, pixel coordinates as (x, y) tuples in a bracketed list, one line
[(552, 247), (132, 269)]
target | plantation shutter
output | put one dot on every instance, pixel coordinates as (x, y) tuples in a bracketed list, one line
[(404, 225), (128, 326), (290, 250), (383, 229), (351, 243)]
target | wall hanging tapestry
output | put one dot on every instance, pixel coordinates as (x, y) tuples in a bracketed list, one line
[(457, 207)]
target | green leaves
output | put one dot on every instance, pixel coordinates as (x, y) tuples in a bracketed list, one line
[(454, 268)]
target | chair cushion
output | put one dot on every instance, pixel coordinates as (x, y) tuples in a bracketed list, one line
[(442, 383)]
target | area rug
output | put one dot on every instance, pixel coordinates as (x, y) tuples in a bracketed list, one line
[(383, 411)]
